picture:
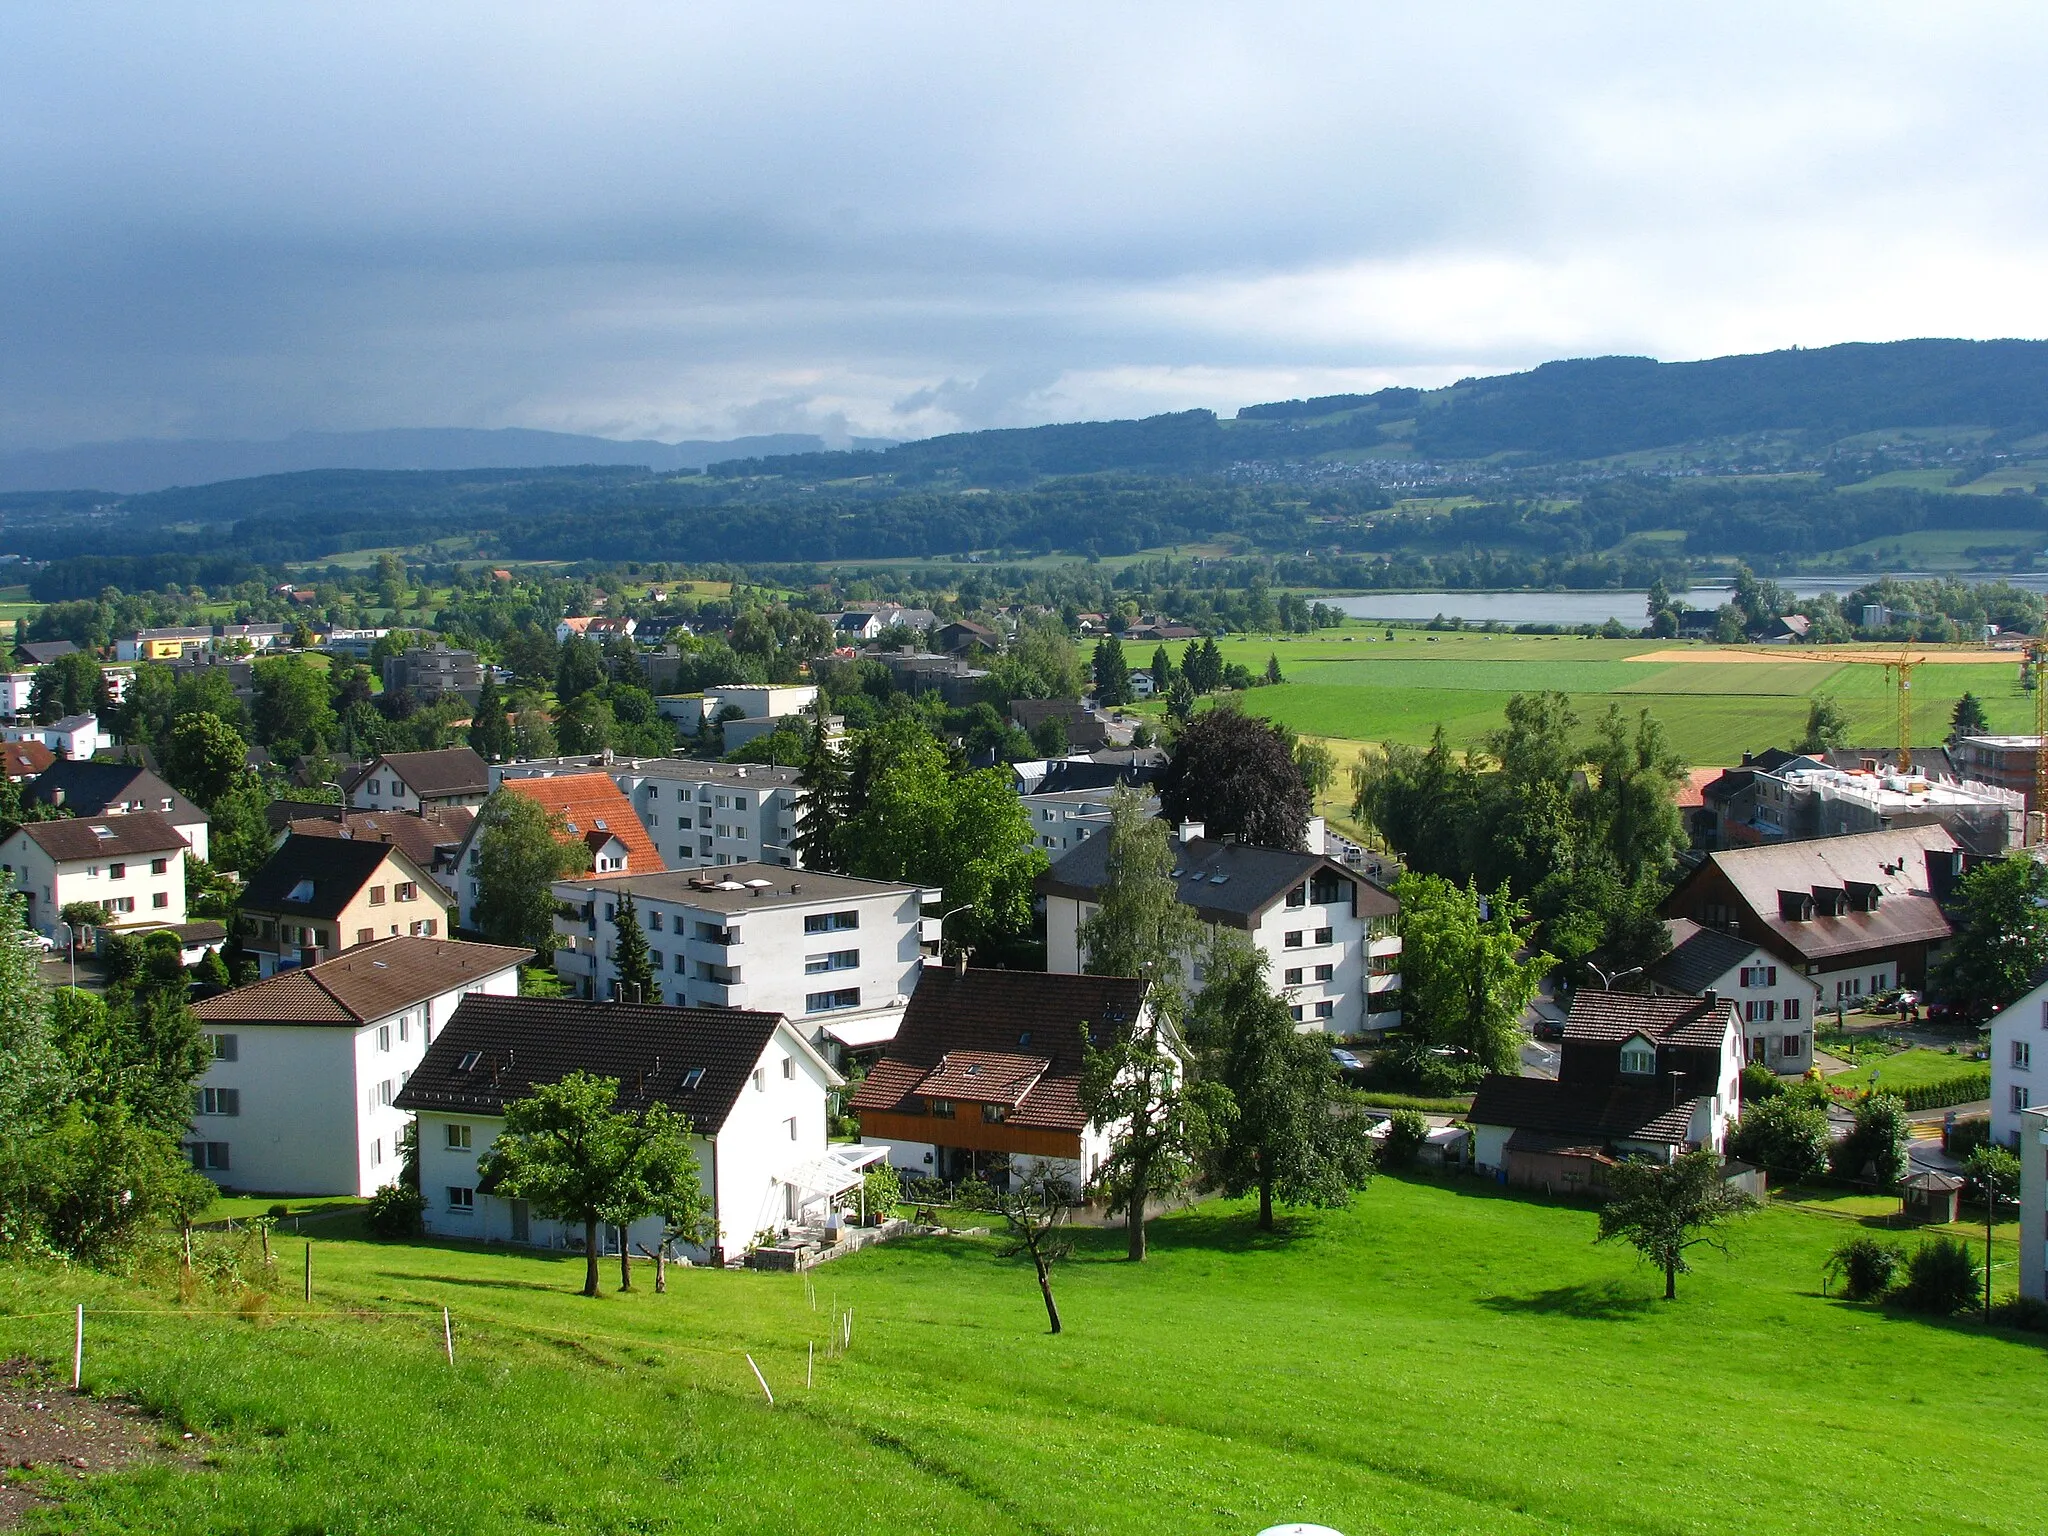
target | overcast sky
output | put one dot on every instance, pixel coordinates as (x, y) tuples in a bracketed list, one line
[(689, 221)]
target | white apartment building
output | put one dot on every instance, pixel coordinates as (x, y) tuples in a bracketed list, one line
[(2032, 1145), (132, 864), (75, 736), (2019, 1034), (307, 1066), (753, 1089), (1332, 938), (1060, 819), (1775, 1002), (698, 814), (835, 954)]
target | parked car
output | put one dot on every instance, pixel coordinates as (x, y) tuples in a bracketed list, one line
[(1346, 1060), (28, 938), (1549, 1029)]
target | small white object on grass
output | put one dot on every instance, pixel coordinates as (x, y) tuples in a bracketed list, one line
[(1299, 1530)]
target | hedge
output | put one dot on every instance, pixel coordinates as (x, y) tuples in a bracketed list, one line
[(1963, 1088)]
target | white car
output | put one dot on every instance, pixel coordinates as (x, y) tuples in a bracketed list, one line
[(30, 939)]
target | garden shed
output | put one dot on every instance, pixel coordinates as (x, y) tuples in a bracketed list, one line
[(1932, 1195)]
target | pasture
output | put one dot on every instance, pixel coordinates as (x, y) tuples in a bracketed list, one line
[(1439, 1358)]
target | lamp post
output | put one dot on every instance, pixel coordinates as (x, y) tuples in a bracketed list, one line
[(71, 948), (942, 927), (1606, 981), (341, 795)]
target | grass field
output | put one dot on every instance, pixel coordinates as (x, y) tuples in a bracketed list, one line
[(1440, 1358), (1908, 1069), (1400, 690)]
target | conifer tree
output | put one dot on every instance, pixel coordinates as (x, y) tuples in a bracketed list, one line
[(634, 967), (490, 733)]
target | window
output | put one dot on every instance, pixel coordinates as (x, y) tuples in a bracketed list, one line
[(1759, 976), (2019, 1097), (838, 960), (377, 1152), (790, 1126), (693, 1078), (1794, 1046), (826, 1002), (458, 1138), (1759, 1011), (1325, 972), (405, 890), (461, 1197), (1326, 935), (376, 895), (1877, 982), (1291, 977), (223, 1047), (1326, 1010), (383, 1037), (417, 930), (117, 871), (160, 900), (942, 1109), (1791, 1009), (209, 1156), (216, 1101), (159, 866), (831, 922), (789, 1069), (385, 1093), (653, 922), (122, 904), (366, 935), (375, 787), (1639, 1056), (1295, 1013), (682, 966), (2022, 1055), (469, 1062), (760, 1080), (433, 926), (1298, 896), (994, 1114), (1292, 940)]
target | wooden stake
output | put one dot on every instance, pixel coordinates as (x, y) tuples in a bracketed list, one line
[(448, 1335), (810, 1359), (78, 1351), (309, 1271), (763, 1380)]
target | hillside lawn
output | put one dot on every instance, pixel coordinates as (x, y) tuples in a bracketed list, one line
[(1439, 1358), (1377, 690), (1908, 1069)]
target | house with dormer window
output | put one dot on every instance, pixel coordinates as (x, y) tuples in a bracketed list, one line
[(317, 897), (131, 865), (1639, 1076), (591, 809)]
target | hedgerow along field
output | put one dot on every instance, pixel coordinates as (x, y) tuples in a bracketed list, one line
[(1344, 684), (1440, 1358)]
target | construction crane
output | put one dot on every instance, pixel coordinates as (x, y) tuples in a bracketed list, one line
[(1901, 672), (2037, 654)]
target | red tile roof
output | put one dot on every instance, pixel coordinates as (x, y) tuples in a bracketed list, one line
[(591, 802), (1612, 1017), (371, 981), (25, 759)]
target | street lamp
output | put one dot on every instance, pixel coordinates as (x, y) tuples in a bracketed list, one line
[(1606, 981), (339, 794), (969, 907), (71, 948)]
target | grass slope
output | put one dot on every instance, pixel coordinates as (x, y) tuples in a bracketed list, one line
[(1440, 1358)]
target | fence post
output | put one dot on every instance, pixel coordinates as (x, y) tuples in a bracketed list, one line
[(309, 1271), (78, 1351), (761, 1379), (448, 1335), (810, 1358)]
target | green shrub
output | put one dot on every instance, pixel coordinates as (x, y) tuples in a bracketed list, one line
[(881, 1191), (1941, 1278), (1759, 1082), (2025, 1312), (1866, 1266), (396, 1211), (1784, 1135), (1874, 1151), (1963, 1088), (279, 1211), (1406, 1132), (1964, 1136)]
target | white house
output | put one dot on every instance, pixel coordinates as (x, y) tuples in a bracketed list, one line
[(597, 630), (1061, 818), (1639, 1076), (1331, 936), (753, 1089), (1776, 1000), (407, 781), (2033, 1153), (132, 864), (983, 1080), (82, 788), (1143, 684), (2018, 1031), (75, 736), (307, 1066), (698, 814), (835, 954)]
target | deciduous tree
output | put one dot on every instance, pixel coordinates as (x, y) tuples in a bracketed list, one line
[(1663, 1210), (1035, 1207), (522, 850), (1464, 980), (1140, 926), (203, 756), (2001, 935), (1236, 774)]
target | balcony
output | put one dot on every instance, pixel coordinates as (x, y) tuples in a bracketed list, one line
[(1388, 983), (1383, 944), (711, 994)]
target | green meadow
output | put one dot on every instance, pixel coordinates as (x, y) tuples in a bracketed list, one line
[(1439, 1358), (1400, 690)]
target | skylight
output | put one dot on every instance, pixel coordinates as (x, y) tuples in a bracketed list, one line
[(469, 1061), (102, 831), (303, 891), (692, 1078)]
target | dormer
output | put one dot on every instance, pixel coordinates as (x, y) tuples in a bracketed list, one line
[(1638, 1057)]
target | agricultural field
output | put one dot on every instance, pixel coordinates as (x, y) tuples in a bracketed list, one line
[(1713, 703), (1439, 1358)]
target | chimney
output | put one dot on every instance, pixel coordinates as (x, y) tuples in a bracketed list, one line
[(56, 797), (959, 962), (1713, 999), (1190, 830)]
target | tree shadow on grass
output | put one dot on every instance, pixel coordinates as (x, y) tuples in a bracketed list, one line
[(1602, 1301), (430, 1277)]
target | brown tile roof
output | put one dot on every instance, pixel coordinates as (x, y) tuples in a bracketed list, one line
[(131, 833), (1612, 1017), (955, 1021), (591, 802), (336, 869), (25, 758), (426, 839), (451, 771), (1698, 956), (1600, 1111), (522, 1043), (371, 981)]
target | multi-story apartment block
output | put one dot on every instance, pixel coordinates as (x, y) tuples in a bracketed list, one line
[(698, 814)]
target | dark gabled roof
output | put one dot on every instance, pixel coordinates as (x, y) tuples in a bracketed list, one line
[(1600, 1111), (371, 981), (96, 837), (451, 771), (89, 788), (1252, 878), (42, 652), (426, 839), (1082, 773), (1019, 1032), (1609, 1018), (337, 869), (523, 1043), (1698, 956)]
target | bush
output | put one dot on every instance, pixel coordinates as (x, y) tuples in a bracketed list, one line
[(1782, 1134), (279, 1211), (1962, 1137), (1874, 1151), (396, 1211), (1963, 1088), (881, 1192), (1410, 1068), (1759, 1082), (1406, 1132), (1866, 1267), (1941, 1278), (2024, 1312)]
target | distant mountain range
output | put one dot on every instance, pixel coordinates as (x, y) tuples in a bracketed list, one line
[(152, 464)]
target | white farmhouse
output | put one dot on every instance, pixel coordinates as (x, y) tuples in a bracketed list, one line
[(132, 864), (307, 1066), (753, 1089), (408, 781), (833, 953), (1332, 937), (1776, 1001)]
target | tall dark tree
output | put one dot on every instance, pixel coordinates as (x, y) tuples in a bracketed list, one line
[(490, 733), (579, 667), (1235, 773), (1285, 1133), (70, 685), (1162, 670), (630, 955), (1967, 719), (826, 785), (1112, 672)]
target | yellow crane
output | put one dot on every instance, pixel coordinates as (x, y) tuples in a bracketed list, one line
[(1901, 672), (2037, 654)]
